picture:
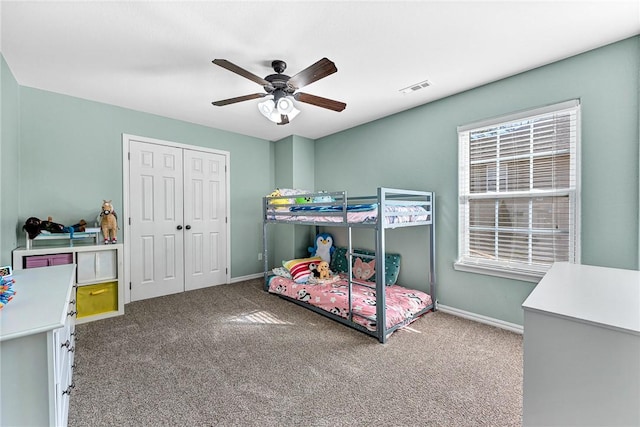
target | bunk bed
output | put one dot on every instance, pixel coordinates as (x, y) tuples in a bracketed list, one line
[(376, 308)]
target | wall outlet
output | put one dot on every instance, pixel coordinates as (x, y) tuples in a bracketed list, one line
[(259, 256)]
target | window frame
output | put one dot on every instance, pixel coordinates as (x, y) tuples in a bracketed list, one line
[(518, 271)]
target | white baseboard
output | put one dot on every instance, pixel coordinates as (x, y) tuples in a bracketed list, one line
[(247, 277), (513, 327)]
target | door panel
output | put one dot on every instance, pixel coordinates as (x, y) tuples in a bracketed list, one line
[(205, 213), (157, 246)]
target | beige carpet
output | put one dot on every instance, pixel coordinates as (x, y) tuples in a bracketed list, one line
[(233, 355)]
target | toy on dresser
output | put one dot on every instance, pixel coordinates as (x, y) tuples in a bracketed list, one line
[(34, 226), (6, 286), (108, 222)]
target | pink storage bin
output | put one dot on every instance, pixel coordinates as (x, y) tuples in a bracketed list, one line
[(47, 260)]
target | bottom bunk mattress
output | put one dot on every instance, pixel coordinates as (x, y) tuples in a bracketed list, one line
[(402, 304)]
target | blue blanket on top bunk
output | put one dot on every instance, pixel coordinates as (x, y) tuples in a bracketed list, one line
[(334, 208)]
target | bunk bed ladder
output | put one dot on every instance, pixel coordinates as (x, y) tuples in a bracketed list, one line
[(432, 253), (381, 303), (265, 251)]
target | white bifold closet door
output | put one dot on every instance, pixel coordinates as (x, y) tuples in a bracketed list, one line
[(178, 224)]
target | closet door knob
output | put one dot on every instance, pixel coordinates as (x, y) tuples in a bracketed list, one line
[(179, 227), (188, 227)]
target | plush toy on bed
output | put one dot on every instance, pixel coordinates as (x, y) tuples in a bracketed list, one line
[(313, 267), (364, 270), (323, 247), (324, 272), (283, 201)]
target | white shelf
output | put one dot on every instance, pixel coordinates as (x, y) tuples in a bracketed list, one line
[(100, 264)]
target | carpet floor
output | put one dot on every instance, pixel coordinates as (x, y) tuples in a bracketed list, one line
[(234, 355)]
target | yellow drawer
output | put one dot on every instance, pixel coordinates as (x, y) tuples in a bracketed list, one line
[(96, 299)]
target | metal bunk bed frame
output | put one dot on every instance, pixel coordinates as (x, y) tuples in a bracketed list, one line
[(385, 197)]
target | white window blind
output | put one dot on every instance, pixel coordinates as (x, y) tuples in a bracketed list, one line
[(518, 189)]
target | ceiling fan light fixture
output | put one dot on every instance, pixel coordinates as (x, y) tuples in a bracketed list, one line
[(274, 111), (293, 113), (278, 105), (267, 107), (285, 105)]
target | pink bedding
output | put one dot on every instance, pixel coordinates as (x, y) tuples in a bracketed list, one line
[(402, 303)]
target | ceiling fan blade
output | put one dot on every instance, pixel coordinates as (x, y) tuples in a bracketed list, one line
[(319, 101), (238, 99), (283, 119), (240, 71), (315, 72)]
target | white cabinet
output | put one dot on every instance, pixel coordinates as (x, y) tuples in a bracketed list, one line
[(99, 275), (582, 348), (37, 343), (97, 266)]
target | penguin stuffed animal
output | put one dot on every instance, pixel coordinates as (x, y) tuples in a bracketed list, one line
[(323, 247)]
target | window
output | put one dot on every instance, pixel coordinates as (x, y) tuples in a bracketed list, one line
[(518, 192)]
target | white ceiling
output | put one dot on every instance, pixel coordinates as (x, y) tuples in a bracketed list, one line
[(156, 56)]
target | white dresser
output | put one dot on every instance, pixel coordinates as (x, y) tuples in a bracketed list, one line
[(582, 348), (37, 341)]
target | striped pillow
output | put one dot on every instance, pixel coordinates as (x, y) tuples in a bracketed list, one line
[(299, 268)]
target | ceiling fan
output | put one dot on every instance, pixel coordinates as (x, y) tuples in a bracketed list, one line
[(280, 89)]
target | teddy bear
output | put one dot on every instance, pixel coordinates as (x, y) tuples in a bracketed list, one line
[(323, 268)]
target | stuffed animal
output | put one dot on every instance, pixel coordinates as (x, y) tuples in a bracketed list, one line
[(304, 200), (323, 247), (109, 222), (323, 199), (364, 270), (282, 201), (313, 267), (323, 268)]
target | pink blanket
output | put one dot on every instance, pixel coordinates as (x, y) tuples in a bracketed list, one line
[(402, 303)]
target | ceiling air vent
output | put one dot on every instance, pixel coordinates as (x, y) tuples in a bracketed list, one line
[(416, 86)]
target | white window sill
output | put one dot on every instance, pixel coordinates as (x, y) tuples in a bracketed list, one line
[(531, 276)]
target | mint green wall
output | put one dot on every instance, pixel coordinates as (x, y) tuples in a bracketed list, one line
[(294, 168), (303, 163), (71, 159), (66, 155), (9, 161), (418, 149)]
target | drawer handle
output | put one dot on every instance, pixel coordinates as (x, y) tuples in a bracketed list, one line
[(72, 313), (68, 390), (68, 345), (74, 334), (72, 301), (101, 291)]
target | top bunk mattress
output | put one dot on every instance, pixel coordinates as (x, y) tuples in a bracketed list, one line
[(337, 208)]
